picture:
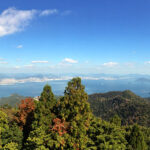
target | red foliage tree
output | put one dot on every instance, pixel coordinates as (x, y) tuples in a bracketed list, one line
[(26, 108), (59, 126)]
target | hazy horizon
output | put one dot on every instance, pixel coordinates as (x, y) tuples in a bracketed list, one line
[(94, 83), (75, 36), (106, 43)]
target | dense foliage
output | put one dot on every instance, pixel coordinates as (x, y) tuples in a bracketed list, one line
[(128, 106), (69, 124)]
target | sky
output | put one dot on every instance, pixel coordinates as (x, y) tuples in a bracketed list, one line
[(75, 36)]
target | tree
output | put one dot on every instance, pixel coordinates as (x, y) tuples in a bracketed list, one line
[(44, 112), (24, 116), (10, 146), (75, 110), (59, 126), (74, 104), (116, 120), (3, 127), (47, 94), (26, 108), (3, 121), (40, 134), (13, 134), (106, 136), (136, 140), (10, 134)]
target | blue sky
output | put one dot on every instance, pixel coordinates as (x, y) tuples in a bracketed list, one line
[(75, 36)]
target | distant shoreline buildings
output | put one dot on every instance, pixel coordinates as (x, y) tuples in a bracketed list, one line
[(37, 98)]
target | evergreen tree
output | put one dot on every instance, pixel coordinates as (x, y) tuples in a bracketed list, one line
[(13, 135), (106, 136), (75, 110), (44, 112), (3, 127), (10, 135), (47, 94), (10, 146), (74, 105), (136, 140), (61, 125), (43, 119)]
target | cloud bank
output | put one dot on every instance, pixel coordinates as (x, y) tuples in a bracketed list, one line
[(13, 20), (12, 81)]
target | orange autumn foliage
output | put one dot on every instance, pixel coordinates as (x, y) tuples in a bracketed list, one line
[(59, 126), (26, 107), (75, 146)]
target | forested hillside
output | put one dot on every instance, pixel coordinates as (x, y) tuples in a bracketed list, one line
[(66, 124), (12, 100), (128, 106)]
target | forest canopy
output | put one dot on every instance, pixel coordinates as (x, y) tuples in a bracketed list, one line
[(67, 123)]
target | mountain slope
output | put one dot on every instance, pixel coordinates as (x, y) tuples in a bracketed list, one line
[(11, 100), (128, 106)]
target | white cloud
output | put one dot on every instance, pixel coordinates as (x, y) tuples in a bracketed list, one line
[(12, 81), (8, 81), (69, 60), (20, 46), (110, 64), (98, 78), (48, 12), (13, 20), (65, 64), (40, 61), (147, 62)]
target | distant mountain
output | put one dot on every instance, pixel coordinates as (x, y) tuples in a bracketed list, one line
[(12, 100), (128, 106), (22, 83)]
